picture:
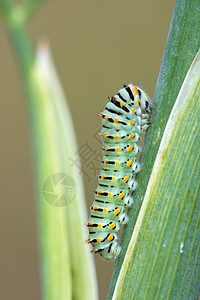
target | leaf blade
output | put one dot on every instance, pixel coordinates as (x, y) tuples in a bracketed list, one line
[(161, 236), (182, 44)]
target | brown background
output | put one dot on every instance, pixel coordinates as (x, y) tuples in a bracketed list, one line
[(97, 46)]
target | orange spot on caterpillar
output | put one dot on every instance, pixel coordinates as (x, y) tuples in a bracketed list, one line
[(106, 117), (95, 207), (99, 225), (135, 90), (129, 163), (105, 161), (112, 225), (106, 148), (99, 193), (121, 195), (103, 177), (105, 210), (109, 194), (117, 163), (117, 211), (131, 123), (129, 148), (105, 135), (126, 178), (121, 104), (116, 137), (100, 133), (133, 111), (137, 101), (131, 136), (89, 224), (117, 149), (111, 237), (114, 178), (98, 240), (116, 121)]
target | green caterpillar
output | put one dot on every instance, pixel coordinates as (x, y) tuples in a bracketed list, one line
[(124, 119)]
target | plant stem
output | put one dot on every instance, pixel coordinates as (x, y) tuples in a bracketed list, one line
[(56, 275)]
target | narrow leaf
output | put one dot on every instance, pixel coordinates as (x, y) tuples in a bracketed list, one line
[(163, 257), (81, 261), (182, 45)]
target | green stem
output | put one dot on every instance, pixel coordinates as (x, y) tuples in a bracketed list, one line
[(25, 57), (55, 260), (24, 51)]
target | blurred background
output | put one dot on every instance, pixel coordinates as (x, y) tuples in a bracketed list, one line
[(97, 47)]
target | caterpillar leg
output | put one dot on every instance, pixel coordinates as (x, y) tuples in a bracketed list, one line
[(128, 202), (123, 219), (145, 127)]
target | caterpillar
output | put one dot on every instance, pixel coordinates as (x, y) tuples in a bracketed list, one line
[(124, 119)]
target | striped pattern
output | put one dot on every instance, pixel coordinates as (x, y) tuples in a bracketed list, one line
[(124, 119)]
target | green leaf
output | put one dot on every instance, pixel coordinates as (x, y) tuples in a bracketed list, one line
[(182, 45), (80, 260), (163, 257), (66, 264)]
